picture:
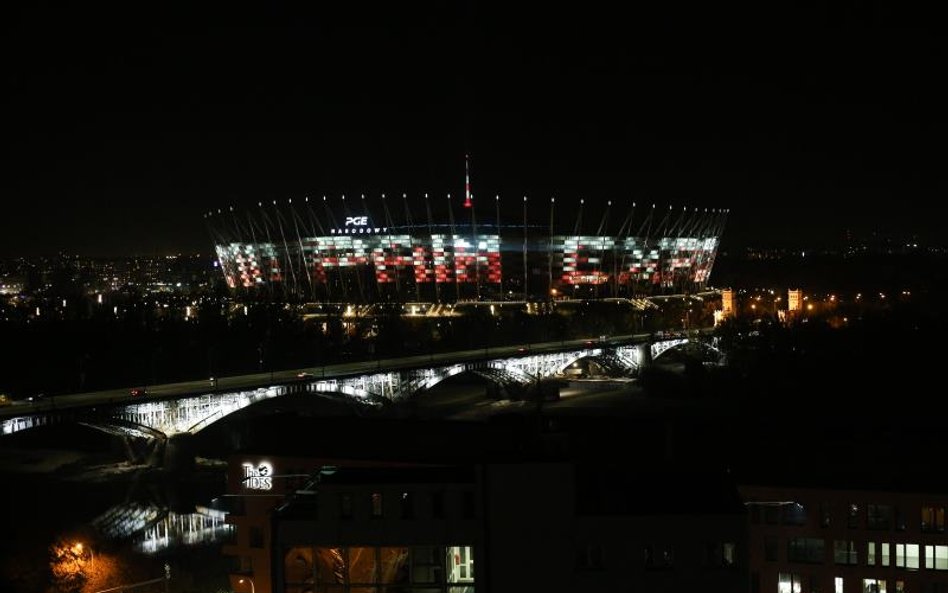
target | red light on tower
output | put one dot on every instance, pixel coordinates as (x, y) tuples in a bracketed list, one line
[(467, 183)]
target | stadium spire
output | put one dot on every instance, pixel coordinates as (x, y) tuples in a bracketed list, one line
[(467, 182)]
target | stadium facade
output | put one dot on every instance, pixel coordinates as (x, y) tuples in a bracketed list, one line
[(339, 251)]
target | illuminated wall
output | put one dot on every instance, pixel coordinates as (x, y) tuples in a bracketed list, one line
[(667, 262), (589, 259)]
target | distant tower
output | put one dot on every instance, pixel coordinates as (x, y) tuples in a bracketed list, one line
[(727, 303), (794, 300), (467, 182)]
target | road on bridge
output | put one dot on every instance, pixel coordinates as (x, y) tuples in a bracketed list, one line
[(335, 371)]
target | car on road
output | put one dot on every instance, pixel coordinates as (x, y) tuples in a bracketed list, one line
[(137, 391), (304, 375)]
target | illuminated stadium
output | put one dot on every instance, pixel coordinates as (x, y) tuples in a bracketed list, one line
[(404, 249)]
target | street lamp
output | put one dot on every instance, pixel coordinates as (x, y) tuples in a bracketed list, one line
[(250, 580), (77, 549)]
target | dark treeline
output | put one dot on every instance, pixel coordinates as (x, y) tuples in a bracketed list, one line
[(54, 356)]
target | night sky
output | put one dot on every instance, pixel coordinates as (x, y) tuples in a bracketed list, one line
[(123, 124)]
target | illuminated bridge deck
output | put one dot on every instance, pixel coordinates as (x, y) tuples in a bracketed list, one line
[(192, 405)]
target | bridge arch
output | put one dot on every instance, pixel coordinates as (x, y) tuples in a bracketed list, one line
[(660, 348)]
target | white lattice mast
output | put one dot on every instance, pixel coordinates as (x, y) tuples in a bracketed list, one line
[(475, 244), (467, 181)]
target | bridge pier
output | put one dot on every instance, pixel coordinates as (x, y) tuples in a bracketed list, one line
[(179, 453), (644, 352)]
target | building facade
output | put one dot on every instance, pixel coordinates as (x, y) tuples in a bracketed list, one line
[(529, 526), (812, 540), (339, 256)]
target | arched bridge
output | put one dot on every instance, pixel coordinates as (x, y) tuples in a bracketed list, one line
[(189, 413)]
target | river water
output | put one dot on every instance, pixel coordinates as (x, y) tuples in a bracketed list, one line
[(85, 520)]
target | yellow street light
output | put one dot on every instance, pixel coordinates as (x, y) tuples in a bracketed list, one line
[(250, 580), (77, 549)]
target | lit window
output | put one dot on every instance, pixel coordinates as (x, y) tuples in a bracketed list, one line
[(838, 585), (871, 554), (461, 563), (885, 553), (788, 582), (941, 557), (933, 519), (911, 556)]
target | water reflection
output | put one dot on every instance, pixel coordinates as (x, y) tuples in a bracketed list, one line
[(153, 528), (204, 526)]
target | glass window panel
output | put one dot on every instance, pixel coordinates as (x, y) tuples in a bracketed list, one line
[(426, 574), (424, 555), (394, 565), (345, 506), (330, 565), (789, 583), (298, 565), (437, 504), (878, 516), (928, 518), (376, 504), (729, 555), (911, 556), (460, 563), (885, 553), (362, 566), (853, 519), (941, 557)]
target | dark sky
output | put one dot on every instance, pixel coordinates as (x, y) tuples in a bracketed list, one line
[(122, 125)]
